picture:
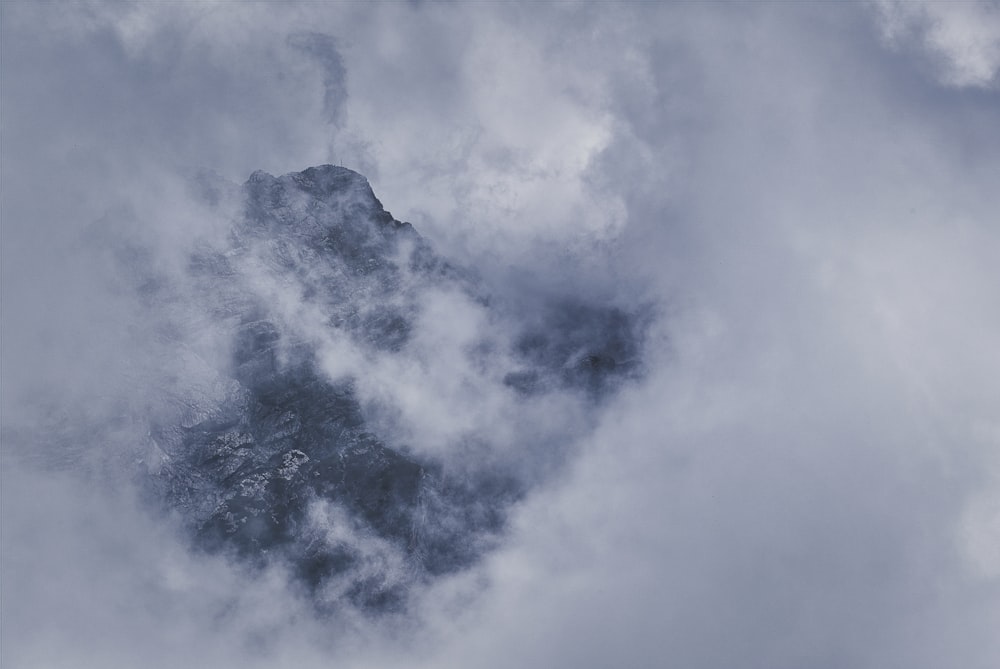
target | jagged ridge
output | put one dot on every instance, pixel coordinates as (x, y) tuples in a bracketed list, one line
[(285, 466)]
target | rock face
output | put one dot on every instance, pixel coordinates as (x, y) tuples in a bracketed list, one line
[(282, 456)]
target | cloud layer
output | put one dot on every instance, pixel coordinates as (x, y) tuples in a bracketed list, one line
[(806, 476)]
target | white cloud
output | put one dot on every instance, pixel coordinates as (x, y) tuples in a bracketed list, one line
[(805, 478), (963, 37)]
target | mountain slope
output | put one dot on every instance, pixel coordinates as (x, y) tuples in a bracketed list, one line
[(333, 395)]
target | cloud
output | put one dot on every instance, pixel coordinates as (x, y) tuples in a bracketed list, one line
[(323, 49), (805, 476), (962, 38)]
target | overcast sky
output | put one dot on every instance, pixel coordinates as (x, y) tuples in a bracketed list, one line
[(808, 474)]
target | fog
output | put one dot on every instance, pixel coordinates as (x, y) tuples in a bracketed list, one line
[(802, 197)]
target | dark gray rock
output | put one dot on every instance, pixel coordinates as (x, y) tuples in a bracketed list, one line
[(283, 464)]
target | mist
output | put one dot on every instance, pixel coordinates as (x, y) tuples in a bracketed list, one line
[(798, 202)]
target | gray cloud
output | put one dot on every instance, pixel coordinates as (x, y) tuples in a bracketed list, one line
[(961, 41), (806, 477), (323, 49)]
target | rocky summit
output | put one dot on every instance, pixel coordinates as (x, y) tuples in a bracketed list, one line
[(284, 453)]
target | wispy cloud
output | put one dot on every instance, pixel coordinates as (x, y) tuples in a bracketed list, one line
[(961, 39), (806, 473)]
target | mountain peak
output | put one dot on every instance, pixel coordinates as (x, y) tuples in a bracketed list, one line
[(343, 194), (323, 180), (320, 180), (320, 298)]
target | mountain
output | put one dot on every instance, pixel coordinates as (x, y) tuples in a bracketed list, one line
[(343, 400)]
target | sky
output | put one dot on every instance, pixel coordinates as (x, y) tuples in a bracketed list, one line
[(808, 472)]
